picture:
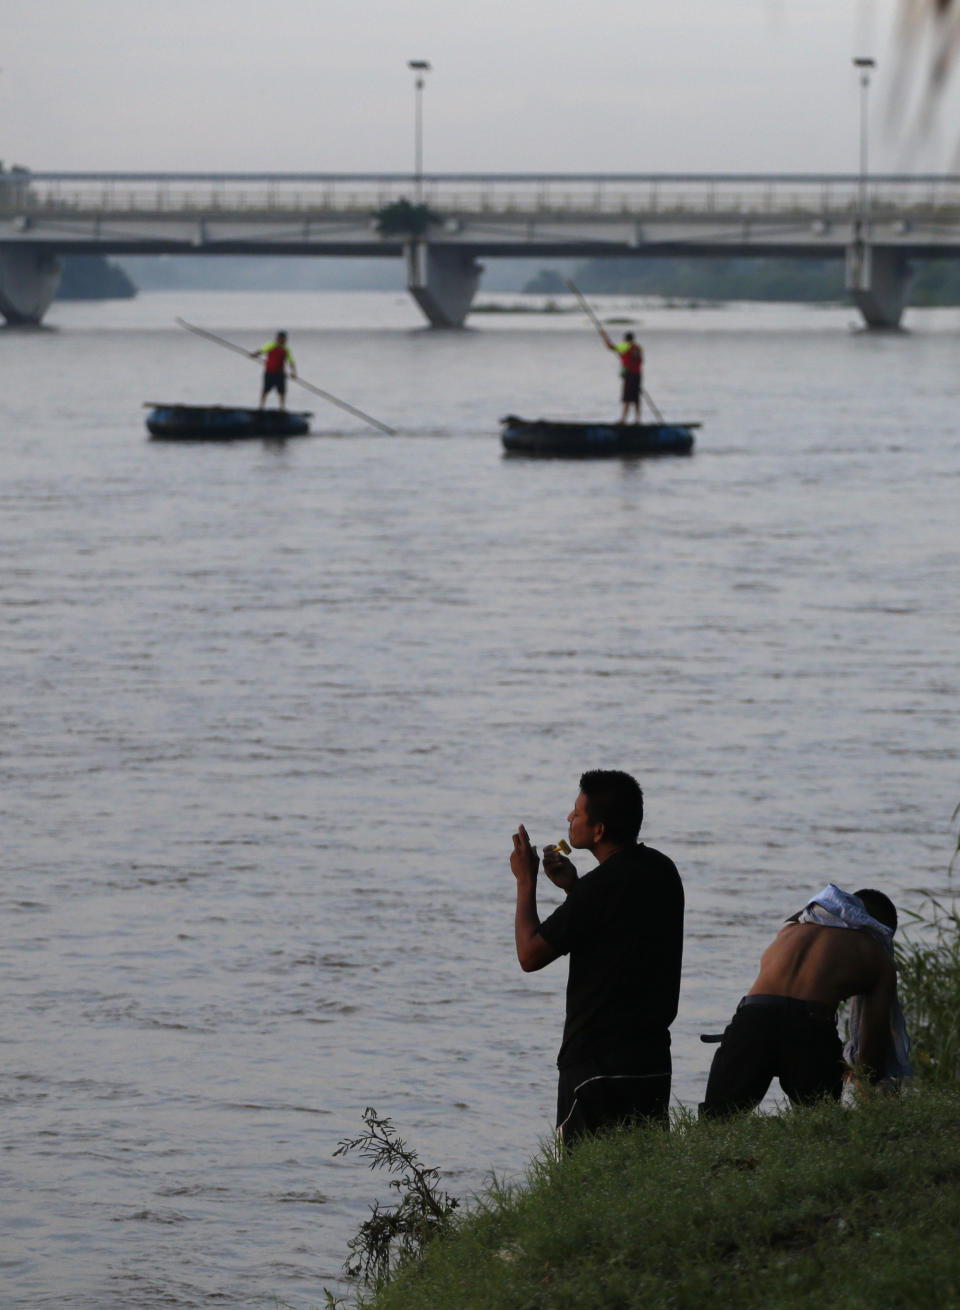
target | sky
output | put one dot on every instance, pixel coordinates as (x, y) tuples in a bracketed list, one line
[(515, 86)]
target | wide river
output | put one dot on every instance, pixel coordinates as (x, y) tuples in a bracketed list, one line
[(271, 714)]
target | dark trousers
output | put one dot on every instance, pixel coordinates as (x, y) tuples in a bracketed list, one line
[(775, 1037), (597, 1094)]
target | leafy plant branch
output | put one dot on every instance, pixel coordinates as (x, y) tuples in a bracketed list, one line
[(393, 1236)]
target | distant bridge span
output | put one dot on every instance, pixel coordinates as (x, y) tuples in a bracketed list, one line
[(876, 225)]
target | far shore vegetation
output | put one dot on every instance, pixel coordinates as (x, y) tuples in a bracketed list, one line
[(92, 277), (853, 1205), (808, 281), (686, 282)]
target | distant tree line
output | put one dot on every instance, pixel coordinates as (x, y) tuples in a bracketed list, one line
[(91, 277), (936, 281)]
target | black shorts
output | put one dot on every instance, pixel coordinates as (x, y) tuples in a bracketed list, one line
[(597, 1094), (775, 1037), (630, 394), (275, 382)]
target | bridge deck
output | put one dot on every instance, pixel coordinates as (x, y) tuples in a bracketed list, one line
[(486, 214), (260, 195)]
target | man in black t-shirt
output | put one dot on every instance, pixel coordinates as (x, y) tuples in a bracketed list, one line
[(622, 926)]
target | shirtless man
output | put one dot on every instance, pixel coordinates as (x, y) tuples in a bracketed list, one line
[(838, 946)]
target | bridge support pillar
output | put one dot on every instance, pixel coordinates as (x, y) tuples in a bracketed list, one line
[(28, 283), (878, 280), (442, 282)]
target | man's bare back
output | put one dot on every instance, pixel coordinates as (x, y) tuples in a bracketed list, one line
[(815, 963), (839, 946), (810, 962)]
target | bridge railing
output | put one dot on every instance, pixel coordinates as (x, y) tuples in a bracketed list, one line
[(453, 194)]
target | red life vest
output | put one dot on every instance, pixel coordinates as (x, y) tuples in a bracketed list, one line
[(631, 358), (276, 359)]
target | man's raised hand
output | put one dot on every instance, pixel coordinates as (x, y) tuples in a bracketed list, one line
[(524, 861)]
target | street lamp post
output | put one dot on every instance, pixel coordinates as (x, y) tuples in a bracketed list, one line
[(864, 65), (419, 66)]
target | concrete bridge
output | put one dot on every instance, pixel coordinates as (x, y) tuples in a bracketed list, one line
[(877, 225)]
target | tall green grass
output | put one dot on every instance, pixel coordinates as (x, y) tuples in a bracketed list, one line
[(928, 966)]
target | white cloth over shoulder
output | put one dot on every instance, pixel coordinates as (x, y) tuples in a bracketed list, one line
[(834, 908)]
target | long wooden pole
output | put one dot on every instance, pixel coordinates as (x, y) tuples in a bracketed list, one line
[(585, 305), (334, 400), (600, 328)]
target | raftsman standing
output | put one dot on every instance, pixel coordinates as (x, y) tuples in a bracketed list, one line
[(631, 373), (622, 926), (278, 356)]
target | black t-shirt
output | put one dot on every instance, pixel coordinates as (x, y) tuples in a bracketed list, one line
[(622, 926)]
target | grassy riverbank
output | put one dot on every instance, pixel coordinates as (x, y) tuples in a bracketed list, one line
[(853, 1206)]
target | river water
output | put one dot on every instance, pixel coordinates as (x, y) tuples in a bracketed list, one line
[(272, 712)]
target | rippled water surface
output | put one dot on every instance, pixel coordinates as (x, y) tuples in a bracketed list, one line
[(271, 713)]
